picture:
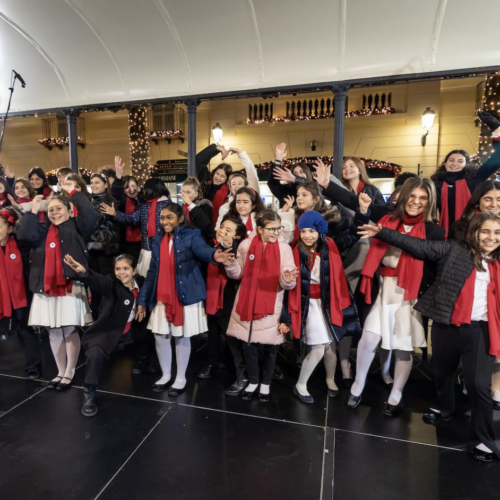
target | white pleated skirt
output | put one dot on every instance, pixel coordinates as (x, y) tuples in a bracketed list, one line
[(144, 262), (317, 330), (195, 321), (54, 312), (394, 319)]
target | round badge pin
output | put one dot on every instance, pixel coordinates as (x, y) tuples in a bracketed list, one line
[(52, 245), (127, 302), (252, 256), (12, 256)]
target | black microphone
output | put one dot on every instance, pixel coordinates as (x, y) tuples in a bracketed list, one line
[(20, 78)]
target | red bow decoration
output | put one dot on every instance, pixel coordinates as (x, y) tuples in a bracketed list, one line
[(7, 216)]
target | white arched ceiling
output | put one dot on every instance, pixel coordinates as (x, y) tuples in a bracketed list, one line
[(81, 52)]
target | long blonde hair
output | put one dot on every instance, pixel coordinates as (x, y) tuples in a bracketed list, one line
[(194, 183), (363, 175)]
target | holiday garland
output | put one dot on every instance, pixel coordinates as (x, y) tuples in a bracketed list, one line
[(82, 171), (58, 141), (165, 134)]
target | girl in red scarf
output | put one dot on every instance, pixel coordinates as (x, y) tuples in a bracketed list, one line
[(318, 302), (23, 191), (355, 178), (15, 297), (391, 321), (175, 292), (60, 301), (245, 206), (5, 191), (39, 182), (266, 268), (464, 304)]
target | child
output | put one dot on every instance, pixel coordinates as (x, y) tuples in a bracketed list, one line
[(221, 292), (246, 205), (60, 300), (266, 268), (321, 307), (116, 318), (464, 304), (175, 291)]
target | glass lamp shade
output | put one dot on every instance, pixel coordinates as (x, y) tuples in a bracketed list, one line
[(217, 133), (428, 119)]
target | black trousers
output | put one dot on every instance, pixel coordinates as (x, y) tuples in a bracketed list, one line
[(236, 347), (217, 326), (471, 344), (99, 262), (95, 357), (251, 354)]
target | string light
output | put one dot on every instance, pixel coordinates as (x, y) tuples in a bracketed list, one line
[(58, 141), (83, 172), (138, 142), (165, 134), (491, 105)]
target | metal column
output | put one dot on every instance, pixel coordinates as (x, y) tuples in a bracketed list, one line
[(192, 105), (340, 93)]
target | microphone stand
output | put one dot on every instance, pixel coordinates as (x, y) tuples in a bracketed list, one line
[(11, 88)]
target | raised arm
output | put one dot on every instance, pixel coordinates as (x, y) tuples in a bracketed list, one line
[(203, 159), (129, 219), (251, 171), (86, 220), (492, 165)]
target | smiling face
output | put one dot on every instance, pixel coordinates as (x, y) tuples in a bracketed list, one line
[(455, 163), (299, 172), (490, 202), (124, 272), (226, 230), (488, 236), (350, 171), (132, 189), (5, 231), (309, 237), (236, 183), (417, 202), (21, 191), (271, 232), (219, 177), (57, 212), (169, 221), (97, 185), (305, 200), (36, 182), (244, 205)]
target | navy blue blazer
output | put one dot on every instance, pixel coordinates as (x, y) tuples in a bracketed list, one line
[(190, 248)]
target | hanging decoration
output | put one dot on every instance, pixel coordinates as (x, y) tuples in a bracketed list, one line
[(59, 142), (393, 168), (491, 104), (166, 134), (82, 171), (138, 142)]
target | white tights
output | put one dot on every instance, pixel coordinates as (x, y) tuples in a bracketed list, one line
[(366, 352), (65, 345), (182, 354)]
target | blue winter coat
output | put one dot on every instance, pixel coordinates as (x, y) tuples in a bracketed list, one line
[(190, 249), (140, 217)]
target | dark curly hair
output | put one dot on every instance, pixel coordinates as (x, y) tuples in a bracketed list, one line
[(257, 203)]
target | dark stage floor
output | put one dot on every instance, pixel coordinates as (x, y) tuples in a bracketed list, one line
[(205, 445)]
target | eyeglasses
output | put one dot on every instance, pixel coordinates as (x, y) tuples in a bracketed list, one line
[(274, 230)]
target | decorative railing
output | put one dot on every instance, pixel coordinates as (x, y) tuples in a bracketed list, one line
[(55, 132), (166, 121)]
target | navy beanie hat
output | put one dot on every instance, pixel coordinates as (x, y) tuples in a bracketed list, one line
[(313, 220)]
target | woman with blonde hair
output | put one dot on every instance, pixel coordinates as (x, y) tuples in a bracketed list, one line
[(355, 178)]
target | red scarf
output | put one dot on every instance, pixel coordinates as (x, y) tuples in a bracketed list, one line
[(167, 289), (296, 234), (185, 209), (339, 290), (409, 269), (152, 217), (132, 233), (3, 199), (216, 283), (12, 289), (462, 197), (260, 280), (462, 312), (249, 225), (219, 200), (54, 282), (361, 186), (24, 200), (46, 192), (135, 293)]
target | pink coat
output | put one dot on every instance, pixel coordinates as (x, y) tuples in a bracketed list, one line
[(265, 330)]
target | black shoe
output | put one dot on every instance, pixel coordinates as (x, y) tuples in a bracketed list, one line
[(33, 374), (353, 401), (54, 383), (159, 387), (89, 408), (175, 392), (237, 387), (305, 399), (208, 371), (247, 396), (482, 456), (63, 387), (496, 405), (348, 382), (431, 417), (393, 410), (278, 374), (143, 365), (333, 393), (264, 398)]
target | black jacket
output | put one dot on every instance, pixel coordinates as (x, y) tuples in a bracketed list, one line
[(201, 218), (73, 235), (433, 232), (374, 193), (106, 238), (350, 326), (114, 310), (281, 191), (203, 173), (454, 266)]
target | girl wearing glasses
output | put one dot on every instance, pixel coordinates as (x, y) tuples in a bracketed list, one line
[(266, 268)]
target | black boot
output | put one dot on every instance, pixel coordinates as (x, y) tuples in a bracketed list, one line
[(89, 408), (237, 387), (208, 370), (143, 365)]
